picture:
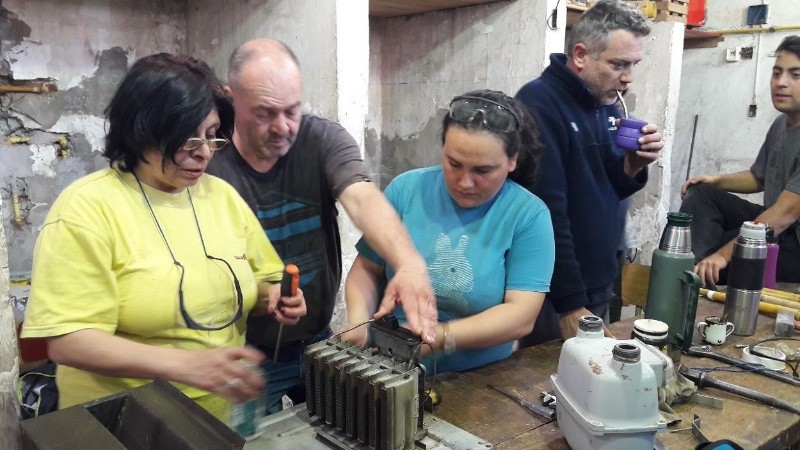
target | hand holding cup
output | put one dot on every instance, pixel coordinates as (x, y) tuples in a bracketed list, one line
[(628, 133)]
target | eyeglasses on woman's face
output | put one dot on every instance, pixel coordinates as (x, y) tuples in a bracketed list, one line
[(213, 144)]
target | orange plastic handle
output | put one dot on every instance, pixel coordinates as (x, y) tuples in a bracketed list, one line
[(290, 281)]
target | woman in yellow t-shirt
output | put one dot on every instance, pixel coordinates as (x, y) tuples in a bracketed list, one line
[(150, 268)]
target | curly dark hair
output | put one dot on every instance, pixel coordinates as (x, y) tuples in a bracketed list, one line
[(158, 105), (522, 141)]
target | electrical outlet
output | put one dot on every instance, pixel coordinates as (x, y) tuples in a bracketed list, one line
[(732, 54), (746, 53)]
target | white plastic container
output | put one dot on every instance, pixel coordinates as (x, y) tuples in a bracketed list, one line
[(607, 391)]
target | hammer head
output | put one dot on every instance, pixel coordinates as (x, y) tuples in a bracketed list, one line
[(693, 375)]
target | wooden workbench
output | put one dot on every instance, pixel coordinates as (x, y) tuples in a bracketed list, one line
[(468, 403)]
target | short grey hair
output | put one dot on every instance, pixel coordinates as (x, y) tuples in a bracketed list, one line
[(594, 25)]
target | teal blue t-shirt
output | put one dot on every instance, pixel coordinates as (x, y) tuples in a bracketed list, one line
[(473, 254)]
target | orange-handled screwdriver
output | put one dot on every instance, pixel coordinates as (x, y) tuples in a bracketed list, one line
[(289, 284), (290, 281)]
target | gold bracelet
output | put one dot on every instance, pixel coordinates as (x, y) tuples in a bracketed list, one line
[(449, 342)]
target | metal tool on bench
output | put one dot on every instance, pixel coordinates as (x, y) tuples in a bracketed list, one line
[(695, 429), (540, 410), (705, 351), (701, 379)]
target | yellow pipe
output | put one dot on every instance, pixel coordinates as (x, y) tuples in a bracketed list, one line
[(763, 307), (25, 88), (713, 295), (17, 140), (779, 301), (782, 294), (756, 30)]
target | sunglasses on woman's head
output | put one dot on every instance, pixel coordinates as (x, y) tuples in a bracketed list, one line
[(494, 116)]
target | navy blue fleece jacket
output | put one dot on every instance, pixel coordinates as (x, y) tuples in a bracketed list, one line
[(581, 179)]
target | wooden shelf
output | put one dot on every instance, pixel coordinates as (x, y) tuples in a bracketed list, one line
[(701, 39), (691, 38), (391, 8), (574, 11)]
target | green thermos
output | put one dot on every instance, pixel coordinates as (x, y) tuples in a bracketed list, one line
[(673, 288)]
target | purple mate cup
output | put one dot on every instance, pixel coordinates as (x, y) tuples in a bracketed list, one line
[(629, 132)]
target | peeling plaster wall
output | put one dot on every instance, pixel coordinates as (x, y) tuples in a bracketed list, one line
[(87, 46), (9, 359), (653, 96), (719, 93), (499, 45), (308, 27)]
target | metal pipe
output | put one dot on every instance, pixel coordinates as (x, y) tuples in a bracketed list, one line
[(691, 146), (42, 88), (757, 30), (705, 351), (701, 379), (18, 221)]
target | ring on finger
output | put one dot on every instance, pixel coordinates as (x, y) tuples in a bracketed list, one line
[(232, 383)]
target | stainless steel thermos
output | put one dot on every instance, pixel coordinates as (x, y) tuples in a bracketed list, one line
[(745, 277)]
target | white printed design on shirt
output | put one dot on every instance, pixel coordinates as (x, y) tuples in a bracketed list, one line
[(452, 276)]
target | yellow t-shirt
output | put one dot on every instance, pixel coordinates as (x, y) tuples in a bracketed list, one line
[(100, 262)]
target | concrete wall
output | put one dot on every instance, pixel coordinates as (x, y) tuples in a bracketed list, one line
[(352, 66), (498, 46), (653, 96), (307, 26), (86, 46), (720, 93), (9, 360)]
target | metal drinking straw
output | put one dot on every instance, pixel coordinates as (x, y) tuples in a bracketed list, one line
[(622, 101)]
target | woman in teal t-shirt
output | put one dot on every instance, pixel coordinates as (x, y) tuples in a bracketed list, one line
[(487, 240)]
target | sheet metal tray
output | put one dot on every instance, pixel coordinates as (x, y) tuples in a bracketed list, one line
[(293, 428)]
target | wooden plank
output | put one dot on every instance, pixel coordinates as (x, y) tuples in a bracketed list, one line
[(390, 8), (701, 39), (672, 6), (666, 16)]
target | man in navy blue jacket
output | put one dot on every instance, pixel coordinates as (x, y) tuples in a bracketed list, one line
[(584, 178)]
